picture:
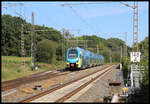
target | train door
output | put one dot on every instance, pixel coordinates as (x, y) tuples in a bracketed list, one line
[(80, 60)]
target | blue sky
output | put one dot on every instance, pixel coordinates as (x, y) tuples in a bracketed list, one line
[(112, 18)]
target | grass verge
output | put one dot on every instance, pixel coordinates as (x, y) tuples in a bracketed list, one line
[(12, 68)]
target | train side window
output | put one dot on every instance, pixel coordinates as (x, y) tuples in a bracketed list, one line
[(90, 54), (84, 53)]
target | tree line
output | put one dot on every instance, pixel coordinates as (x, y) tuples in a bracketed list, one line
[(49, 43)]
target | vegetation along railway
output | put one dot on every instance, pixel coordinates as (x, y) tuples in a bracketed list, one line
[(76, 58), (44, 64)]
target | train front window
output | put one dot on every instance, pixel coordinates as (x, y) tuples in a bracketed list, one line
[(72, 54)]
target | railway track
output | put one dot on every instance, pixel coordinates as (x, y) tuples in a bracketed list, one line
[(31, 78), (7, 85), (63, 97)]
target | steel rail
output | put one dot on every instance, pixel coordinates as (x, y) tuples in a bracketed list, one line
[(58, 87), (29, 79), (80, 88)]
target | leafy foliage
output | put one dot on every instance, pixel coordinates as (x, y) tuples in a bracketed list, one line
[(144, 49), (11, 39), (46, 51), (49, 44), (11, 36)]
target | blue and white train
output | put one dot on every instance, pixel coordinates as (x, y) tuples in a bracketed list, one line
[(80, 58)]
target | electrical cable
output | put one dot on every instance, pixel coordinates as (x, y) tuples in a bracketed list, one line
[(80, 4), (81, 18)]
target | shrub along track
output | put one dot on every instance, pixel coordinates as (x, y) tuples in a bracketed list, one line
[(31, 98)]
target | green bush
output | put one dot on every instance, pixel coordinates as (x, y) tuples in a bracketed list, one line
[(125, 66), (145, 63), (46, 51), (18, 70)]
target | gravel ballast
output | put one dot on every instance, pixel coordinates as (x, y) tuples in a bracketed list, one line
[(98, 89)]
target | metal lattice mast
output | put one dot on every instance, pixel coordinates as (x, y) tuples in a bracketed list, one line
[(135, 27), (32, 43), (135, 22), (66, 40), (78, 30), (22, 44), (63, 45), (97, 49)]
